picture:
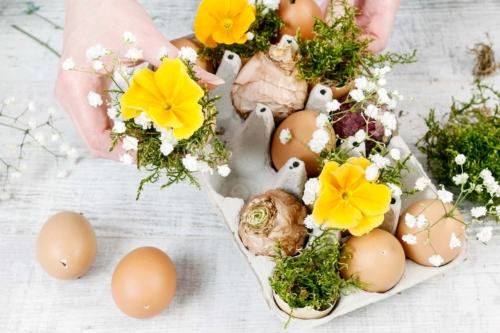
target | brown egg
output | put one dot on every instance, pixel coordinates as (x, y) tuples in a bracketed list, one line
[(298, 15), (440, 234), (302, 126), (66, 246), (203, 63), (144, 283), (376, 258)]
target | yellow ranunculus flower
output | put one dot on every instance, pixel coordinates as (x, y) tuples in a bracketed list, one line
[(347, 200), (168, 96), (223, 22)]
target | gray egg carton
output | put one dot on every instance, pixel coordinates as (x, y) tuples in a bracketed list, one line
[(252, 173)]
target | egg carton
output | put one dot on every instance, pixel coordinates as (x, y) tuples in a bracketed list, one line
[(252, 173)]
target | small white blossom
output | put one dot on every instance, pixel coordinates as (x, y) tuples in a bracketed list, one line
[(361, 83), (357, 95), (119, 127), (95, 52), (360, 136), (72, 154), (166, 148), (371, 172), (9, 101), (445, 196), (485, 234), (311, 191), (395, 154), (436, 260), (380, 161), (168, 136), (478, 212), (190, 162), (134, 54), (479, 188), (113, 113), (4, 196), (62, 174), (129, 38), (410, 220), (162, 53), (454, 241), (52, 111), (32, 123), (382, 82), (460, 159), (130, 143), (388, 120), (372, 111), (395, 190), (203, 167), (188, 54), (322, 120), (392, 104), (396, 95), (460, 179), (64, 147), (385, 70), (223, 170), (143, 120), (309, 222), (319, 140), (32, 106), (332, 106), (95, 99), (16, 175), (383, 97), (370, 86), (421, 220), (250, 35), (126, 158), (410, 239), (497, 209), (422, 183), (54, 138), (271, 4), (486, 174), (68, 64), (41, 139), (97, 65), (285, 136)]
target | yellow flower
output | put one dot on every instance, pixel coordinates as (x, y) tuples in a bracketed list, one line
[(347, 200), (223, 22), (168, 96)]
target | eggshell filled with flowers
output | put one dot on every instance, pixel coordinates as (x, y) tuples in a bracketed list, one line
[(144, 283), (186, 42), (445, 235), (376, 258), (301, 126)]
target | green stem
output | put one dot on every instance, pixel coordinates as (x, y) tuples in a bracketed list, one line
[(56, 26), (36, 39)]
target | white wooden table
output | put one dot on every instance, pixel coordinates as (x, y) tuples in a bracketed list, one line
[(216, 291)]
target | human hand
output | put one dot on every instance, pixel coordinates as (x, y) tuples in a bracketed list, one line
[(91, 22), (378, 18)]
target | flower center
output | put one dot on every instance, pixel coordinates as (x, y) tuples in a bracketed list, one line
[(167, 106), (227, 23), (345, 196)]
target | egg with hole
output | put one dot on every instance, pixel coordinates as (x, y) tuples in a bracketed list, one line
[(446, 225), (301, 125), (186, 42), (376, 258), (144, 283), (66, 246), (297, 15)]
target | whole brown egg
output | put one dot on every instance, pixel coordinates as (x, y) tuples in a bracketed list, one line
[(66, 246), (144, 283), (377, 258), (301, 125), (299, 14), (440, 233), (186, 42)]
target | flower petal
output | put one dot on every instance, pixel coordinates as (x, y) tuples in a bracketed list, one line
[(223, 36), (164, 118), (360, 161), (371, 199), (167, 77), (333, 211), (204, 26), (141, 95), (349, 176), (366, 224), (242, 22), (326, 176), (192, 118)]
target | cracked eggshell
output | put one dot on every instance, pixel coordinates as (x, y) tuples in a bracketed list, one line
[(301, 125), (66, 246)]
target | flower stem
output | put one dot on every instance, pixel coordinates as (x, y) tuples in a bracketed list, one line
[(56, 26), (36, 39)]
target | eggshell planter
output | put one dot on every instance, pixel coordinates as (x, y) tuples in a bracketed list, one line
[(252, 173), (302, 313)]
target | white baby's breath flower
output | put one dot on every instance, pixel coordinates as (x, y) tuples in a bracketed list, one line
[(436, 260), (395, 190), (460, 179), (113, 113), (309, 222), (454, 241), (360, 136), (126, 158), (370, 86), (391, 105), (332, 106), (384, 70), (410, 239), (486, 174), (134, 54), (421, 220), (68, 64), (250, 35), (41, 139), (357, 95), (380, 161), (396, 95), (395, 154), (484, 234), (322, 120), (143, 120), (285, 136), (389, 121), (460, 159), (410, 220), (94, 99), (188, 54), (62, 174), (445, 196), (9, 101), (203, 167), (371, 172), (95, 52), (311, 191), (52, 111), (64, 147), (166, 148), (16, 175), (223, 170), (168, 136), (97, 65), (119, 127), (382, 82), (422, 183), (130, 143), (478, 212), (4, 196), (479, 188), (361, 82), (190, 163), (162, 53), (54, 137), (271, 4), (72, 154), (372, 111), (32, 123), (32, 106), (319, 140), (129, 38)]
